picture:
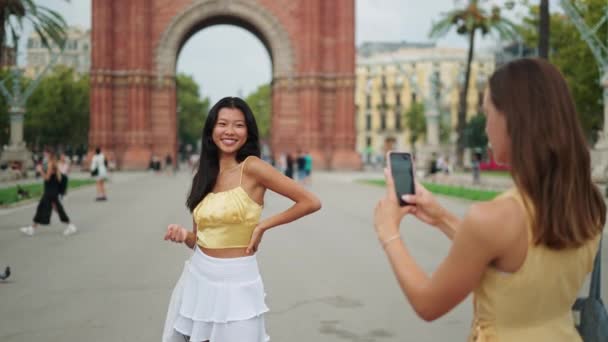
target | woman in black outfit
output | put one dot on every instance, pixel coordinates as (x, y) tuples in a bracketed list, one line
[(53, 184)]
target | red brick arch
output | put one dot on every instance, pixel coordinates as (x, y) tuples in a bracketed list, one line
[(135, 48)]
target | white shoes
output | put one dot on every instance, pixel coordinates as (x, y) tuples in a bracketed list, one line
[(29, 230), (71, 229)]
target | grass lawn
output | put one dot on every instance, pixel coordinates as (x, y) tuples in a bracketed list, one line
[(9, 195), (448, 190), (506, 174)]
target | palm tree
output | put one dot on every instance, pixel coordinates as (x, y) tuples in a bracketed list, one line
[(49, 24), (467, 22), (543, 30)]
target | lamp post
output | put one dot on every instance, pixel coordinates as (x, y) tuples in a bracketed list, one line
[(599, 48), (432, 109), (16, 151)]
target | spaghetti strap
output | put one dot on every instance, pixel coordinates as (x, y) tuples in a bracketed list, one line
[(243, 169)]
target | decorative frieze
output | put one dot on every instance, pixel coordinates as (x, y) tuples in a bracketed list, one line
[(128, 78)]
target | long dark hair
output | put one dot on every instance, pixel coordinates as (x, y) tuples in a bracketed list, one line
[(550, 160), (208, 164)]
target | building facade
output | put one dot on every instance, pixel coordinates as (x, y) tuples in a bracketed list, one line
[(77, 53), (390, 77), (136, 44)]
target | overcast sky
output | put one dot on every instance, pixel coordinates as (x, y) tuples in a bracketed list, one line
[(215, 58)]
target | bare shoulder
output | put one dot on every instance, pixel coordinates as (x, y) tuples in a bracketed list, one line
[(498, 223), (257, 167)]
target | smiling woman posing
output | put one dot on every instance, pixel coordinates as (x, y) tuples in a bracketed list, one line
[(220, 295)]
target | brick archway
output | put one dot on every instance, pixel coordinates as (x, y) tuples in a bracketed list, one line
[(135, 48)]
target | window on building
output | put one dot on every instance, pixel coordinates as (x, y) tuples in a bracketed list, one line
[(383, 100), (398, 99), (383, 121), (383, 81), (368, 122), (368, 101), (413, 97), (368, 141), (398, 121)]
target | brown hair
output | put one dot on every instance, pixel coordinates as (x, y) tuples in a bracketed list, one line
[(52, 164), (550, 160)]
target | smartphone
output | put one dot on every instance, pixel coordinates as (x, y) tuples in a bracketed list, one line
[(402, 170)]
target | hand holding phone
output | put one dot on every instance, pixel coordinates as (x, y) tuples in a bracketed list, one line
[(402, 169)]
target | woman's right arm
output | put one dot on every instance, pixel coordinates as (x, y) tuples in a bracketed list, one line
[(179, 234), (428, 210)]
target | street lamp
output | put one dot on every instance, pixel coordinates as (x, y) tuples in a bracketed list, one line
[(16, 151)]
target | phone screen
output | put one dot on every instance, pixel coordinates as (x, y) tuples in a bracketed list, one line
[(403, 174)]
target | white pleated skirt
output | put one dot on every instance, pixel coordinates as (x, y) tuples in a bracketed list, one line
[(217, 300)]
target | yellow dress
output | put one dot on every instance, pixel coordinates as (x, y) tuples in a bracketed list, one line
[(534, 303)]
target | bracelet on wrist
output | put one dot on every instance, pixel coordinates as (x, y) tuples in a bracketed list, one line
[(389, 240)]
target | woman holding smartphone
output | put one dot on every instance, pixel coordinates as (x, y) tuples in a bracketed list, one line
[(220, 295), (525, 254)]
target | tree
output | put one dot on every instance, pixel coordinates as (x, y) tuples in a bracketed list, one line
[(416, 123), (475, 133), (260, 102), (544, 25), (467, 22), (192, 110), (49, 24), (58, 113), (445, 127), (575, 60), (4, 115)]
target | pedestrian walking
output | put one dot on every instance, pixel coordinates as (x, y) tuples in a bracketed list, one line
[(289, 165), (220, 295), (307, 168), (64, 167), (301, 166), (169, 164), (99, 171), (50, 198)]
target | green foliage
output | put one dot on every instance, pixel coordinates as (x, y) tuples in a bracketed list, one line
[(9, 195), (473, 18), (416, 122), (475, 133), (58, 112), (445, 127), (192, 110), (574, 58), (48, 24), (260, 102), (448, 190), (5, 125)]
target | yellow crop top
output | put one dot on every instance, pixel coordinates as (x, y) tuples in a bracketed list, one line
[(226, 219)]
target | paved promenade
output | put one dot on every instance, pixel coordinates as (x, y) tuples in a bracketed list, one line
[(326, 276)]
